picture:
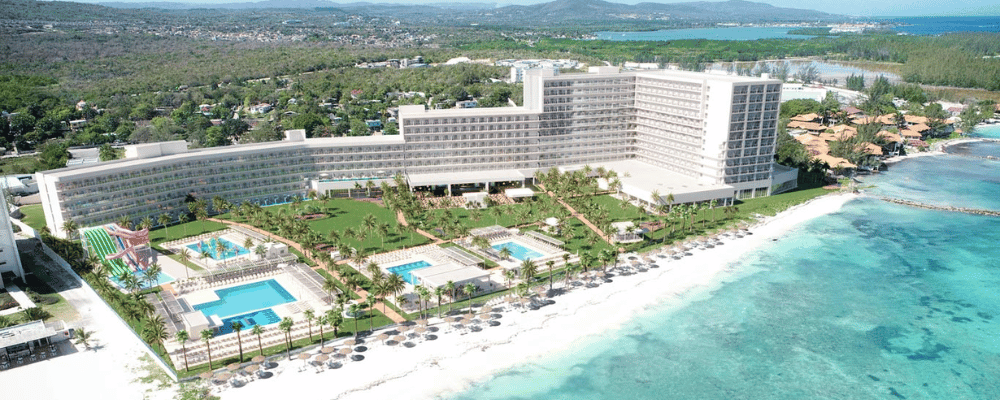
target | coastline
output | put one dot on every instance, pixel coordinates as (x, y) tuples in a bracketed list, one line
[(454, 362)]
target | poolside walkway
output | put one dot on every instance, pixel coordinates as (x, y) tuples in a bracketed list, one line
[(392, 314)]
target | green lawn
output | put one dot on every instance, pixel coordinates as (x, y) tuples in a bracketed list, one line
[(179, 231), (507, 215), (34, 216), (615, 211), (344, 213)]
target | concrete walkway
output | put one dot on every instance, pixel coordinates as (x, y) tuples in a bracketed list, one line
[(402, 221), (392, 314)]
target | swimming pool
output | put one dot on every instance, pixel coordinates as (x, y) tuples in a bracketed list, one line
[(240, 300), (517, 251), (260, 317), (404, 270), (231, 249)]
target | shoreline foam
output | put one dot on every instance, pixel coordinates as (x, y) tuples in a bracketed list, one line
[(453, 363)]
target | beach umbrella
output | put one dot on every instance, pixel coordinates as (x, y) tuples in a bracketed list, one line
[(402, 329), (449, 319), (350, 342), (328, 350), (399, 338), (233, 366), (345, 351), (421, 322), (420, 330), (206, 375), (252, 368), (538, 289), (383, 337), (486, 309), (304, 356), (258, 359), (485, 316), (321, 358), (224, 376)]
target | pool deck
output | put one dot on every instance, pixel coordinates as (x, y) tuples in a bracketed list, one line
[(392, 314)]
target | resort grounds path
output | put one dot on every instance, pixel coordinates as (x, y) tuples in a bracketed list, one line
[(389, 312), (581, 217), (402, 221)]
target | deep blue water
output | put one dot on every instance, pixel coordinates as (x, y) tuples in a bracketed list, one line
[(876, 301)]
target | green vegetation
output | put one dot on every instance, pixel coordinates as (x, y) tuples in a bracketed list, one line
[(360, 220), (19, 165), (33, 216)]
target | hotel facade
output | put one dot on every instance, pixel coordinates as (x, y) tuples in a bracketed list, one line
[(697, 136)]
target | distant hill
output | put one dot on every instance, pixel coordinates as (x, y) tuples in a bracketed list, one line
[(594, 10), (554, 11)]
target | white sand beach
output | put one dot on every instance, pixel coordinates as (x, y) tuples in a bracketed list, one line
[(454, 361)]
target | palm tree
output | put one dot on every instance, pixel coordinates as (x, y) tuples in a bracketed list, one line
[(155, 331), (125, 221), (286, 326), (152, 274), (206, 336), (481, 242), (164, 219), (182, 338), (394, 285), (237, 326), (439, 292), (185, 256), (370, 305), (310, 315), (184, 219), (335, 317), (70, 227), (146, 222), (330, 286), (355, 309), (509, 275), (551, 264), (469, 289), (321, 321), (528, 270), (424, 294), (450, 287), (258, 330), (82, 336)]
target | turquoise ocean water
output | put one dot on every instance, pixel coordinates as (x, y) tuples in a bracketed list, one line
[(876, 301)]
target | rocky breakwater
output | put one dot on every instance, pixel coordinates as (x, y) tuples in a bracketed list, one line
[(911, 203)]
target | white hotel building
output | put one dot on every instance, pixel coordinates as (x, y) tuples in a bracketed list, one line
[(698, 136)]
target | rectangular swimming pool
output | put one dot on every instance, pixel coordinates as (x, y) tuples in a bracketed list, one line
[(242, 299), (230, 249), (404, 270), (517, 251), (260, 317)]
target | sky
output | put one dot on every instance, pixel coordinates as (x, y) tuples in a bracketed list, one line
[(864, 8)]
